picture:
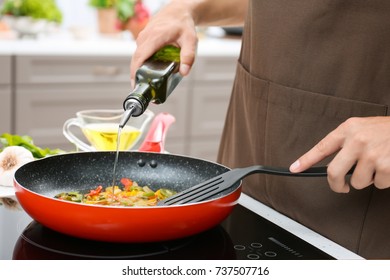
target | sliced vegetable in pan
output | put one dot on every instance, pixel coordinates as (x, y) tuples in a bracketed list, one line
[(129, 194)]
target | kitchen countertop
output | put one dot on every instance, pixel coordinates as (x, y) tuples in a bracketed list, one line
[(108, 46)]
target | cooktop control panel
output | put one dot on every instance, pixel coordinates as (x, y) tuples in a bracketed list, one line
[(254, 237)]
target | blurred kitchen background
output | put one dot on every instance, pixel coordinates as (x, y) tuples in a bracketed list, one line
[(50, 69), (79, 12), (82, 15)]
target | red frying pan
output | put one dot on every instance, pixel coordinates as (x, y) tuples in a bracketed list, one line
[(36, 183)]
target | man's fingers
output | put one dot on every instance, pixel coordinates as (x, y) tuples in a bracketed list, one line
[(327, 146), (139, 58), (338, 169), (363, 175), (189, 44)]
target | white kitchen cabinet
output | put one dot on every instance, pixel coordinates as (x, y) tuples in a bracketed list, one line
[(5, 110), (51, 89), (210, 94), (5, 94), (92, 70), (215, 68), (201, 102), (42, 110), (176, 105)]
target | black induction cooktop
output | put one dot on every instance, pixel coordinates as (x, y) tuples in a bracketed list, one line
[(243, 235)]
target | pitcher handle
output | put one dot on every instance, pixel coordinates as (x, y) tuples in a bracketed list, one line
[(72, 138)]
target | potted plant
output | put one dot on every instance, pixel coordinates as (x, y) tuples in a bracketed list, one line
[(107, 16), (132, 15), (29, 17)]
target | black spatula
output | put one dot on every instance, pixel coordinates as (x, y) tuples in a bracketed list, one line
[(218, 184)]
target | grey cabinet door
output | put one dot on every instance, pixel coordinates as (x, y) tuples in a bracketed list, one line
[(5, 95), (51, 89)]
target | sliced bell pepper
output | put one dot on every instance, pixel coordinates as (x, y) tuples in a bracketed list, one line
[(95, 191), (127, 183)]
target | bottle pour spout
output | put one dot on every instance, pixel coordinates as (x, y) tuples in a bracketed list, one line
[(126, 116)]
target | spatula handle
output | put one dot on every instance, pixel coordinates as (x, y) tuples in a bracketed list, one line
[(321, 171)]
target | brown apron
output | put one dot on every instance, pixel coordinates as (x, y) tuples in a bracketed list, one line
[(305, 67)]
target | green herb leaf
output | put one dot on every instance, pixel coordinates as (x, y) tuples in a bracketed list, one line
[(7, 139)]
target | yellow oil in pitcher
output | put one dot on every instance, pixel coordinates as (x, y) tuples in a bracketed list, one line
[(104, 137)]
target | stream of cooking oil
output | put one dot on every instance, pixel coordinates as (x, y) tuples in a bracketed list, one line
[(125, 118), (116, 157)]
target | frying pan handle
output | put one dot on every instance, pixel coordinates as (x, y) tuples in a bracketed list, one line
[(155, 139)]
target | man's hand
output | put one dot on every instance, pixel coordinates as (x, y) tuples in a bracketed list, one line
[(175, 24), (361, 141), (172, 25)]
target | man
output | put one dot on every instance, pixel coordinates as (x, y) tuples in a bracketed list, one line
[(312, 87)]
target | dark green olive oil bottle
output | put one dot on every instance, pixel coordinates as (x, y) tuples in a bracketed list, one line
[(154, 82)]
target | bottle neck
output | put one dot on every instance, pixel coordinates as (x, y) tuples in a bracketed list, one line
[(136, 102), (139, 98)]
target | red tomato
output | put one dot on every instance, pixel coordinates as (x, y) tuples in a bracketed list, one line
[(127, 183)]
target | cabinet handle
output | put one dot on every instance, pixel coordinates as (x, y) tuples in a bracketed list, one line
[(106, 70)]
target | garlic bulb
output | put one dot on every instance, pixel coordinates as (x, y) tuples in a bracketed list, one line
[(11, 158)]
